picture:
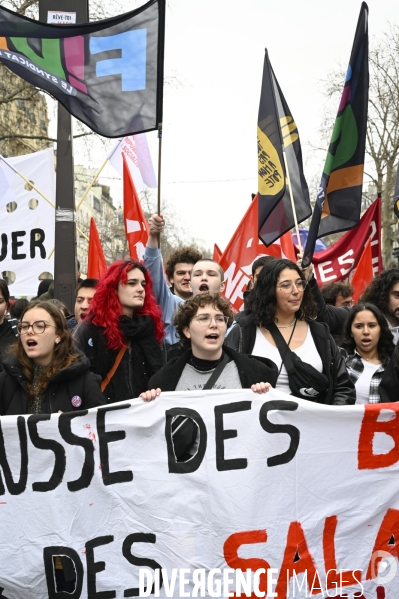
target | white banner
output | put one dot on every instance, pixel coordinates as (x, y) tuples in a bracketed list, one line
[(306, 492), (26, 221), (137, 152)]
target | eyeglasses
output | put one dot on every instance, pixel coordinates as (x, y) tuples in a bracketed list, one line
[(288, 286), (206, 319), (38, 327)]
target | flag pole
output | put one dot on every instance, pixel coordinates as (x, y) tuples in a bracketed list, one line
[(92, 183), (159, 175), (292, 202)]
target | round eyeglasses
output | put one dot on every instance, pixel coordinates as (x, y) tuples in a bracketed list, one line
[(206, 319), (38, 327), (288, 286)]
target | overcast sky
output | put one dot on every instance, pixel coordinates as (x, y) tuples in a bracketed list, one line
[(215, 49)]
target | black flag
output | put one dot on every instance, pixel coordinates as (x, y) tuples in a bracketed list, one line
[(108, 74), (339, 198)]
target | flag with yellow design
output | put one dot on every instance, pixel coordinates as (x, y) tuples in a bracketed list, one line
[(339, 198), (277, 132)]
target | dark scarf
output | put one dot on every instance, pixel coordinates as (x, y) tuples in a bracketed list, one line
[(145, 352), (204, 365)]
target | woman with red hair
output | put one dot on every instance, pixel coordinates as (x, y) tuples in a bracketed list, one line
[(123, 331)]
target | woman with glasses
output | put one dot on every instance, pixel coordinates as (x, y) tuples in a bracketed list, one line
[(279, 324), (123, 331), (201, 323), (367, 346), (45, 374)]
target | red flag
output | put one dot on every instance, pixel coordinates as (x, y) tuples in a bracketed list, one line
[(337, 262), (243, 248), (96, 263), (363, 274), (217, 252), (287, 247), (136, 226)]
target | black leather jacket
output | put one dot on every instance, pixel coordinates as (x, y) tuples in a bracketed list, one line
[(341, 389)]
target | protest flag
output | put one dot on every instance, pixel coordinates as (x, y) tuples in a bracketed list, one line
[(138, 157), (339, 261), (363, 274), (217, 253), (281, 214), (243, 248), (96, 263), (287, 247), (108, 74), (339, 197), (136, 226), (396, 195), (271, 171)]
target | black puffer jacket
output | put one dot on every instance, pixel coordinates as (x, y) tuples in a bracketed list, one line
[(341, 389), (74, 381), (251, 370), (143, 358)]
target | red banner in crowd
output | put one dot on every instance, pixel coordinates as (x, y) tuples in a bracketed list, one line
[(245, 247), (337, 263), (136, 226), (96, 263)]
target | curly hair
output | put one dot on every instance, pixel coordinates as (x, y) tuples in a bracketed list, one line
[(64, 353), (187, 254), (105, 308), (263, 299), (377, 292), (330, 291), (189, 309), (385, 345)]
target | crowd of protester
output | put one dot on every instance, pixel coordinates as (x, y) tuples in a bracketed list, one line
[(144, 328)]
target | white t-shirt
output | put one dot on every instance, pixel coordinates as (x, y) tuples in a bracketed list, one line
[(307, 352), (362, 384)]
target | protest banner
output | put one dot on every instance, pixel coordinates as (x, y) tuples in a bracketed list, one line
[(27, 221), (339, 261), (306, 492)]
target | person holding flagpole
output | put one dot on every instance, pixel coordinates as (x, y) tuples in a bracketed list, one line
[(206, 276)]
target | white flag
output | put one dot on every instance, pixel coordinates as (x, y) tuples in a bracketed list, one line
[(135, 148)]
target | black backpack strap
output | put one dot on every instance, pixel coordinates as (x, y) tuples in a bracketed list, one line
[(283, 347), (217, 372)]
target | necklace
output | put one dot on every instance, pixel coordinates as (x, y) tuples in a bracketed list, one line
[(286, 326)]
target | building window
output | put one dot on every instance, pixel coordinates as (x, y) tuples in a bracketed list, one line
[(96, 204)]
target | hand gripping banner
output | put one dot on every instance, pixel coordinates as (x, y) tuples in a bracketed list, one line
[(281, 494)]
